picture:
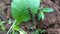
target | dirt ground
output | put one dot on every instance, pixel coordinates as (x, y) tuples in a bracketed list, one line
[(51, 22)]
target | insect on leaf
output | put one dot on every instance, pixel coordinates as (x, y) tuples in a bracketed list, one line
[(33, 5)]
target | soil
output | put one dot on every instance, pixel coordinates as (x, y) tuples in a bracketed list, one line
[(51, 23)]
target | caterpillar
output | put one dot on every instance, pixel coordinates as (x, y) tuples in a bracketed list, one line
[(31, 14)]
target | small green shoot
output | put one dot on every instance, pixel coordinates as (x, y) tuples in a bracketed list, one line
[(41, 12), (2, 26), (47, 9), (14, 28)]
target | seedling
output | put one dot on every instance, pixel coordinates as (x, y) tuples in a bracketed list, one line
[(2, 26), (42, 11), (21, 14), (14, 28)]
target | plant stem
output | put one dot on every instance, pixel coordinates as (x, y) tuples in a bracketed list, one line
[(11, 26), (21, 30)]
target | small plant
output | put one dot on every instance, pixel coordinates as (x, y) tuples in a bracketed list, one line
[(2, 25), (20, 12), (14, 28), (41, 12)]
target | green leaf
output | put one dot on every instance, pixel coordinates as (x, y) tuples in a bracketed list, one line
[(40, 0), (26, 16), (37, 32), (16, 28), (43, 31), (33, 5), (19, 11), (1, 22), (41, 16), (3, 28), (47, 10)]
